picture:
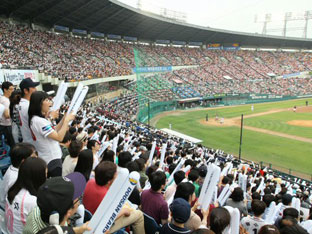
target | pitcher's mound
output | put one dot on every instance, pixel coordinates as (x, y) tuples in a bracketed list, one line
[(303, 123)]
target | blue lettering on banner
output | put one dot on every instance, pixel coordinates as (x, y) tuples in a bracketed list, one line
[(195, 43), (152, 69), (117, 209), (291, 75), (127, 38), (113, 36), (97, 34), (231, 48), (162, 41), (215, 48), (179, 42), (61, 28), (80, 31)]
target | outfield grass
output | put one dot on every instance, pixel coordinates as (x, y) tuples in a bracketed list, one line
[(278, 122), (279, 151)]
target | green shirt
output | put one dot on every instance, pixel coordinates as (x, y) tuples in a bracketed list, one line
[(34, 222), (196, 189)]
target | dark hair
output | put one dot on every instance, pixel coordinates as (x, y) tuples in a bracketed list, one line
[(141, 163), (108, 155), (267, 190), (189, 162), (256, 195), (91, 130), (291, 212), (178, 177), (35, 104), (14, 100), (193, 175), (169, 160), (31, 175), (237, 195), (158, 178), (268, 229), (123, 158), (91, 143), (220, 218), (6, 85), (20, 152), (74, 148), (68, 137), (85, 163), (23, 91), (184, 190), (150, 170), (202, 231), (293, 229), (225, 180), (172, 167), (72, 130), (133, 166), (257, 207), (104, 172), (268, 198)]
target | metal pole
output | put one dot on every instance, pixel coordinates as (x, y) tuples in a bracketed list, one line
[(241, 137), (148, 113)]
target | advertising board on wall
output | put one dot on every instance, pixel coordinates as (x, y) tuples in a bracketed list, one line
[(16, 76)]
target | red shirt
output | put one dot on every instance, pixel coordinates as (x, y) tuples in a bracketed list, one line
[(93, 195)]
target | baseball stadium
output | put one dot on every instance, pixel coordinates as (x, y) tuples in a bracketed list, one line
[(243, 96)]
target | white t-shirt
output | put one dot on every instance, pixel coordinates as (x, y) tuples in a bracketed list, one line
[(48, 149), (252, 224), (17, 212), (23, 114), (6, 102), (170, 191), (9, 179), (307, 225), (69, 165)]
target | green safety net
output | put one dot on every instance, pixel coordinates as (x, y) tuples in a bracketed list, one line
[(154, 90)]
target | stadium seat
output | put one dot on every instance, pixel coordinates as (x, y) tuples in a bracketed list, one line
[(150, 225)]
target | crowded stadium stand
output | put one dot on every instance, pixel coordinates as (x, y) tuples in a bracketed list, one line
[(80, 149)]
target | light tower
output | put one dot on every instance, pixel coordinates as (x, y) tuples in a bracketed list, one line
[(307, 17), (287, 18)]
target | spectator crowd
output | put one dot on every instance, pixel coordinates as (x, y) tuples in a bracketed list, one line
[(217, 71), (64, 164)]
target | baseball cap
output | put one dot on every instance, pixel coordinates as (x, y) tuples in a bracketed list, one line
[(143, 148), (56, 229), (181, 210), (79, 182), (82, 136), (28, 83), (57, 193)]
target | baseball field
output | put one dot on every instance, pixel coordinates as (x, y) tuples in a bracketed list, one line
[(273, 132)]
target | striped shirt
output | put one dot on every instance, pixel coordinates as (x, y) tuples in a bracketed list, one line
[(34, 222)]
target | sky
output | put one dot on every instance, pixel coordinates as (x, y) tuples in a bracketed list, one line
[(237, 15)]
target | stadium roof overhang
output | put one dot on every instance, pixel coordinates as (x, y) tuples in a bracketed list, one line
[(113, 17)]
